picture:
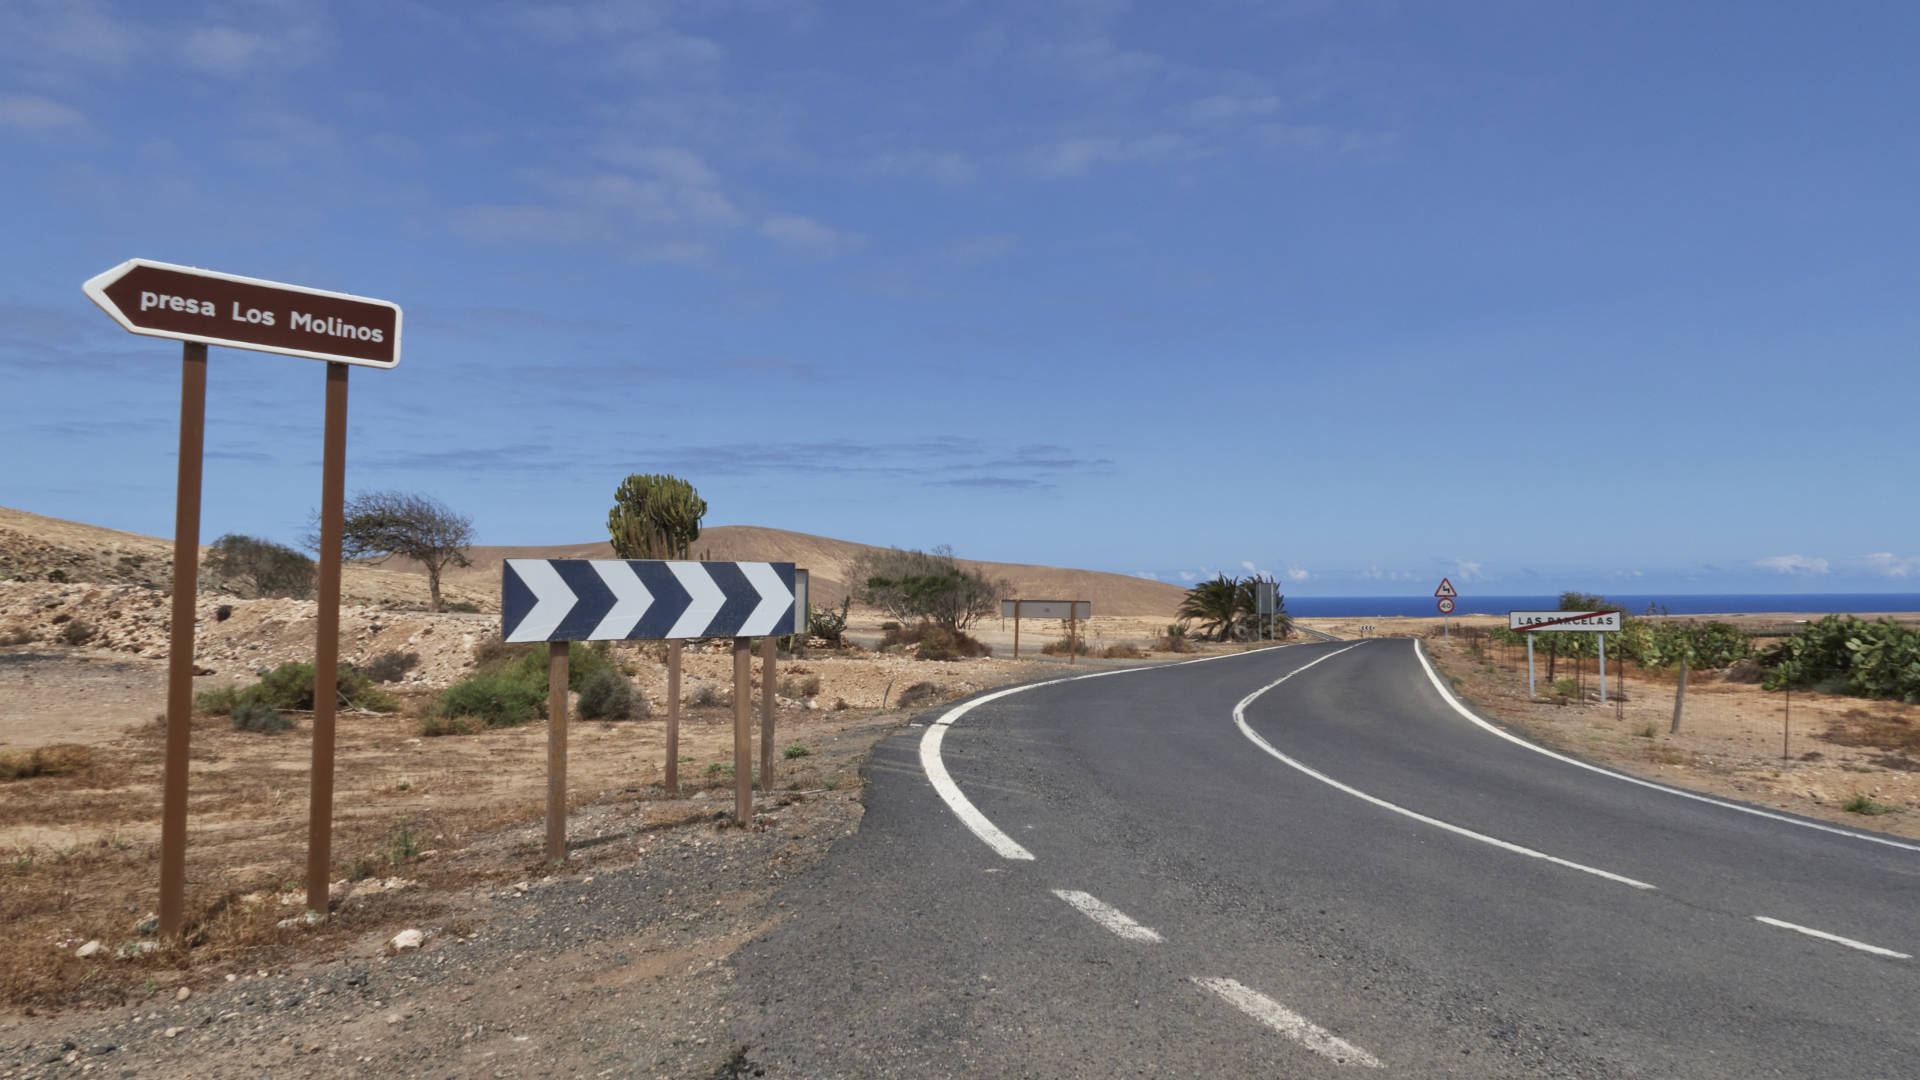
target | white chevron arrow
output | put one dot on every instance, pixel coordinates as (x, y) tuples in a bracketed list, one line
[(552, 600), (775, 597), (704, 600), (630, 600)]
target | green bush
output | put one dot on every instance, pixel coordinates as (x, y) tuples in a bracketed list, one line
[(1861, 804), (828, 624), (529, 662), (1848, 655), (264, 719), (499, 699), (607, 695), (290, 686), (796, 751)]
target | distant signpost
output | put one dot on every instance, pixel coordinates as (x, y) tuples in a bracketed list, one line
[(563, 600), (202, 308), (1071, 610), (1446, 594), (1599, 622)]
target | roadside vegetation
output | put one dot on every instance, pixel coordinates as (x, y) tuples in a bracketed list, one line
[(1225, 609)]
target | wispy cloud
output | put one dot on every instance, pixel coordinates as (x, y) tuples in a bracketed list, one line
[(36, 115), (1468, 570), (1890, 565), (809, 237), (1794, 564)]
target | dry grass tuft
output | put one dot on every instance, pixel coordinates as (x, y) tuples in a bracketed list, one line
[(63, 759)]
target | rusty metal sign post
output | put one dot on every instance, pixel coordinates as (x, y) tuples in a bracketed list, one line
[(559, 601), (206, 307), (1072, 611)]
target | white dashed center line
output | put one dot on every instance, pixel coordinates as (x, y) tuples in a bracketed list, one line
[(1289, 1023), (1107, 915), (1835, 938)]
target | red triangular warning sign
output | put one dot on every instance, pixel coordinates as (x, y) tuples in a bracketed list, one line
[(1445, 589)]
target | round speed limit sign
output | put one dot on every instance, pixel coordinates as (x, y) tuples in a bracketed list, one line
[(1446, 605)]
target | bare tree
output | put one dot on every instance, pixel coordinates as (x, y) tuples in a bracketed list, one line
[(382, 524)]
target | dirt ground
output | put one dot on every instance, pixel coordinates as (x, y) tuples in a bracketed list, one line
[(1732, 735), (525, 969)]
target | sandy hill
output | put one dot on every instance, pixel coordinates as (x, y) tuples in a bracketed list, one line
[(828, 561), (35, 547)]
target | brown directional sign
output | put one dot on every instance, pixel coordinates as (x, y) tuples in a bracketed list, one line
[(188, 304)]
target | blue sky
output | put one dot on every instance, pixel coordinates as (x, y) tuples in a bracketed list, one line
[(1537, 295)]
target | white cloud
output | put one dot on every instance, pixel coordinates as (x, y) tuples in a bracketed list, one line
[(1890, 565), (1247, 564), (1188, 575), (944, 167), (973, 249), (38, 115), (1468, 570), (1793, 564), (809, 237), (1230, 108), (222, 49), (1148, 574), (1075, 156), (1297, 574)]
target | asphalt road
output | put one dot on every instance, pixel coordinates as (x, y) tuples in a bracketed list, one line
[(1340, 874)]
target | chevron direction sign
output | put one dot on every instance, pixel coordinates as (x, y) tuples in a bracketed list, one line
[(643, 599)]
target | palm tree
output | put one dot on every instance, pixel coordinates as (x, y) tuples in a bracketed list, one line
[(1249, 624), (1213, 605)]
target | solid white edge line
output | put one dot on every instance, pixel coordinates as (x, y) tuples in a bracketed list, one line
[(1447, 695), (1287, 1022), (950, 792), (1107, 915), (1240, 719), (1835, 938)]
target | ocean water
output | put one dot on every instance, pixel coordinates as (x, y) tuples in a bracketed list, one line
[(1812, 604)]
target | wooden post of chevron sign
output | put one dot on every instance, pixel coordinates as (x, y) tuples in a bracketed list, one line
[(564, 600)]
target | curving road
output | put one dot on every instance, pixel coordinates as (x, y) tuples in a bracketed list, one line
[(1308, 862)]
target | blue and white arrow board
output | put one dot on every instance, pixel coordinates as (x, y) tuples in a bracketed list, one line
[(643, 599)]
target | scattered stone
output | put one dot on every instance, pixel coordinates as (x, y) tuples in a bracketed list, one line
[(174, 1032), (132, 949), (183, 993), (305, 918), (91, 948), (148, 926), (407, 939)]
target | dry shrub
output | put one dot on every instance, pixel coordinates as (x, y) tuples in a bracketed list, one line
[(62, 759), (77, 632), (920, 693), (934, 642), (1061, 646), (800, 688), (1124, 651), (1862, 728)]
